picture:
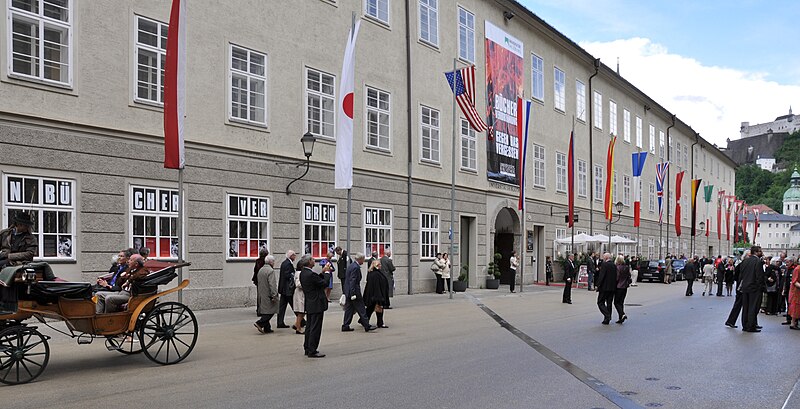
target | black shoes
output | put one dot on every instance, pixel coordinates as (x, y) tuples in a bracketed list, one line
[(605, 322), (729, 325), (383, 326), (347, 329), (622, 319), (316, 355), (370, 328), (751, 330)]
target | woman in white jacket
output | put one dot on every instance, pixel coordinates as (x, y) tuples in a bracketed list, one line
[(446, 270), (708, 278)]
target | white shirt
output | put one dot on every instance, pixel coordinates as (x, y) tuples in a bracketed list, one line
[(514, 263)]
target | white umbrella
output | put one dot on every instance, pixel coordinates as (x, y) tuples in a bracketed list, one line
[(579, 238), (616, 239), (600, 237)]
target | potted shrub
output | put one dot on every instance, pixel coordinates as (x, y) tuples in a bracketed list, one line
[(493, 280), (460, 285)]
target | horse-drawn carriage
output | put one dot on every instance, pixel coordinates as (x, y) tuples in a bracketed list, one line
[(165, 331)]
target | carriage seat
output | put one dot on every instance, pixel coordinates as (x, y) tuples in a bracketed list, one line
[(66, 289)]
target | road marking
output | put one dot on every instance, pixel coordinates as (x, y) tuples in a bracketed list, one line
[(598, 386), (791, 394)]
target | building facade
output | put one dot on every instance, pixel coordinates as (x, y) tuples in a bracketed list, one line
[(81, 107), (788, 124)]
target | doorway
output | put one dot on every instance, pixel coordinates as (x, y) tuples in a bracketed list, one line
[(468, 248), (506, 231)]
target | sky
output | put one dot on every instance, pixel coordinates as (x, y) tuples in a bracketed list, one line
[(713, 63)]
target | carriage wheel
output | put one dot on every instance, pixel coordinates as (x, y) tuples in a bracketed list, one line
[(24, 354), (127, 343), (168, 333)]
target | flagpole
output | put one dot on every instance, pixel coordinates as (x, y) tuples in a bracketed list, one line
[(572, 220), (180, 231), (453, 178)]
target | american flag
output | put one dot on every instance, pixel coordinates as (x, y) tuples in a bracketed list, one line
[(661, 175), (465, 95)]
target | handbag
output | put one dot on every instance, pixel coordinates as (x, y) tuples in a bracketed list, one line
[(342, 300)]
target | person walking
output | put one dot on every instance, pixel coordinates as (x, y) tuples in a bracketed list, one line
[(299, 299), (286, 286), (260, 261), (591, 270), (267, 289), (668, 270), (387, 268), (606, 285), (354, 303), (708, 278), (437, 267), (634, 270), (376, 293), (720, 269), (341, 264), (751, 281), (690, 273), (513, 264), (793, 309), (548, 270), (569, 277), (316, 304), (737, 302), (729, 270), (623, 282)]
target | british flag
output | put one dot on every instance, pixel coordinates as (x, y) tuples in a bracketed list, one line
[(661, 176), (464, 88)]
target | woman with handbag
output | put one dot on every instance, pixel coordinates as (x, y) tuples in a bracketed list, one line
[(376, 292)]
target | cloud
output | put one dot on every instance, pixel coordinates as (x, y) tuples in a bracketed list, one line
[(713, 100)]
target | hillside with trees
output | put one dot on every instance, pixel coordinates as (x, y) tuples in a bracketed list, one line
[(757, 186)]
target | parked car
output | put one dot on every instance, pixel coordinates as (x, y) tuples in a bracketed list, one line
[(677, 269), (654, 271)]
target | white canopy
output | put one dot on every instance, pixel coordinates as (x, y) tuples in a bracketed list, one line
[(616, 239), (600, 237), (579, 238)]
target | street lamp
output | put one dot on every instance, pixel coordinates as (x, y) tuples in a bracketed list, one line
[(308, 148), (618, 207), (703, 227)]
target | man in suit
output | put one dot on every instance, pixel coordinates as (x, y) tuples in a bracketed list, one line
[(690, 273), (387, 268), (606, 285), (286, 286), (737, 302), (720, 268), (751, 284), (341, 264), (569, 277), (355, 300), (316, 304)]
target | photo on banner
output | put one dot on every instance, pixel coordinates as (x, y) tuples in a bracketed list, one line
[(504, 83)]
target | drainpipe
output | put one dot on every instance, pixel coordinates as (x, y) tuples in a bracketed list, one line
[(669, 143), (409, 181), (596, 63), (696, 141)]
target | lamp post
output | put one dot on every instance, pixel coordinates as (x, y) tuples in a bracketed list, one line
[(702, 227), (308, 148), (618, 207)]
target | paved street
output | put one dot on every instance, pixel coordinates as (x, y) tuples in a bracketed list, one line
[(673, 352)]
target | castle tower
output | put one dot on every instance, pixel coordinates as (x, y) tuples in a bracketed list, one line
[(791, 199)]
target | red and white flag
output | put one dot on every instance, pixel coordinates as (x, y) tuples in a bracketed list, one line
[(175, 87), (344, 117)]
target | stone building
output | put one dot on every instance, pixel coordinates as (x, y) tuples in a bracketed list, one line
[(781, 232), (81, 130), (787, 124)]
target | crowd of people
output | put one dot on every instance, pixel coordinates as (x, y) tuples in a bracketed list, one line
[(307, 292)]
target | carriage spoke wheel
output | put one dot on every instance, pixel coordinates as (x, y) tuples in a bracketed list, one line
[(127, 343), (168, 333), (24, 354)]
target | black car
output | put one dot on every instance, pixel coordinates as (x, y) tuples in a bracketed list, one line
[(677, 269), (654, 271)]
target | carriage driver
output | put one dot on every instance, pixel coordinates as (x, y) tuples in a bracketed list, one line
[(17, 244), (112, 301)]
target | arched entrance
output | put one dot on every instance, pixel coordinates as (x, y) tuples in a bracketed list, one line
[(506, 233)]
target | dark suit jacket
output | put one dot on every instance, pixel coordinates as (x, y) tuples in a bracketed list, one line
[(690, 270), (751, 275), (606, 277), (341, 265), (569, 270), (285, 277), (352, 281), (314, 290)]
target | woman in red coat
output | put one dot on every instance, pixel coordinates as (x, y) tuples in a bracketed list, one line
[(794, 298)]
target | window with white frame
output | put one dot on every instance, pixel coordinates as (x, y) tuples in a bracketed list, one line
[(652, 139), (151, 57), (319, 228), (466, 35), (651, 196), (320, 103), (670, 198), (248, 79), (154, 220), (651, 247), (537, 77), (580, 100), (248, 226), (612, 117), (538, 165), (378, 119), (626, 125), (615, 189), (638, 132), (626, 190), (671, 150), (677, 159), (469, 152), (429, 121), (598, 110), (561, 172), (582, 186), (598, 183), (377, 230), (559, 81), (40, 36), (428, 235), (429, 21), (377, 9), (50, 203), (686, 156), (704, 161), (561, 233), (661, 144)]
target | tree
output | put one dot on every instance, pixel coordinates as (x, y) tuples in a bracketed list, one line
[(757, 186), (788, 155)]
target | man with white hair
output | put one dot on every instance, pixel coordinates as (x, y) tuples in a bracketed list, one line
[(354, 300), (267, 295), (286, 286)]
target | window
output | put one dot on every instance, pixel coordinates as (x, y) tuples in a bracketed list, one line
[(686, 205), (615, 189), (428, 235), (429, 21), (469, 153), (612, 117), (678, 151), (561, 172), (626, 190), (377, 9), (661, 145), (538, 165), (154, 220), (671, 150), (558, 89), (430, 134), (598, 110), (582, 178), (466, 35), (598, 183), (248, 77), (537, 77), (248, 226), (320, 103), (377, 230), (652, 139), (41, 40), (378, 119), (638, 132), (671, 199), (704, 161), (580, 100), (319, 228), (651, 247), (561, 233), (651, 195), (151, 57), (686, 156), (50, 202), (626, 125)]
